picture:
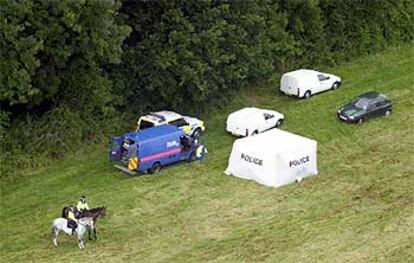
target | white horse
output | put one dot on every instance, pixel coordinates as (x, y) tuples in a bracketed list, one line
[(61, 224)]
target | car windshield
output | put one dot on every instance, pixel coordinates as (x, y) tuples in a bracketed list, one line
[(361, 103), (145, 124)]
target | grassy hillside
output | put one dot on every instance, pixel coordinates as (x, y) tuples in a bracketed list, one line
[(358, 209)]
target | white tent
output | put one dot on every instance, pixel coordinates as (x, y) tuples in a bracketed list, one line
[(273, 158)]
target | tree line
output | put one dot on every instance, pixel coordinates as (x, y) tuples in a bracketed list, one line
[(71, 71)]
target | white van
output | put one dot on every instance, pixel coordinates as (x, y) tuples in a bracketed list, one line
[(251, 121), (303, 83)]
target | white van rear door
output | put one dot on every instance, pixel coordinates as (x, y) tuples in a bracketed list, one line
[(289, 84)]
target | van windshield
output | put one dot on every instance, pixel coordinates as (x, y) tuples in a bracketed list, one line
[(145, 124)]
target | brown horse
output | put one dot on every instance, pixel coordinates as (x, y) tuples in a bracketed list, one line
[(94, 213)]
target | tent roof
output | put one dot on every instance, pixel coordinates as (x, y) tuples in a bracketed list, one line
[(275, 140)]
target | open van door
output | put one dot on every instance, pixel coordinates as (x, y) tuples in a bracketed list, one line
[(115, 148)]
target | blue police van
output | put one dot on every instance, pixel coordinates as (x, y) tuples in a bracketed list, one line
[(149, 149)]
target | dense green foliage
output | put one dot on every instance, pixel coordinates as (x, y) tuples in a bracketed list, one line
[(53, 83), (53, 51), (359, 208), (69, 68), (186, 54)]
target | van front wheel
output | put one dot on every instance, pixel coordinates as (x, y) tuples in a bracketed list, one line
[(155, 168), (307, 95), (335, 86), (279, 123)]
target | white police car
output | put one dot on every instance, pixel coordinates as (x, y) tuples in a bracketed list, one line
[(191, 125)]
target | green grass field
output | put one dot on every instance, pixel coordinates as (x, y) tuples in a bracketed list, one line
[(359, 208)]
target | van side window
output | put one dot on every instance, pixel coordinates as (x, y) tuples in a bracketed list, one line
[(321, 77), (268, 116), (179, 122)]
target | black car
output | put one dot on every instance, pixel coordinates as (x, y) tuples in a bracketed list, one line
[(365, 106)]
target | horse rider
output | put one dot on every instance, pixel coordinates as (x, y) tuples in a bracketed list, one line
[(72, 221), (82, 205)]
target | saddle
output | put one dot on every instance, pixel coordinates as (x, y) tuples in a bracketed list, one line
[(72, 224)]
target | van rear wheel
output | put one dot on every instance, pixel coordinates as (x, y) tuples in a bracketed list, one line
[(307, 95), (155, 168)]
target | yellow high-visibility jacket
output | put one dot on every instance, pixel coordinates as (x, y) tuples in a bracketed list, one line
[(71, 216), (82, 206)]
